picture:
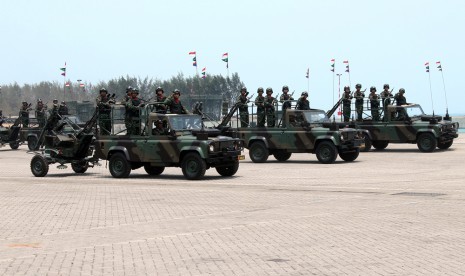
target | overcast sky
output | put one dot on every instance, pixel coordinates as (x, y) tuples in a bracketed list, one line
[(270, 43)]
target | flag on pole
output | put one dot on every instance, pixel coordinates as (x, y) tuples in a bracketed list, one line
[(347, 65), (427, 67), (204, 71), (67, 84), (81, 85), (64, 70), (308, 73), (438, 64), (194, 61), (225, 58), (192, 53), (333, 61)]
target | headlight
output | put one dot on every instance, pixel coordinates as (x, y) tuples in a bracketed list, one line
[(211, 148), (342, 136)]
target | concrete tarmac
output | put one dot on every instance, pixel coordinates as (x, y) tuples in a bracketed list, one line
[(391, 212)]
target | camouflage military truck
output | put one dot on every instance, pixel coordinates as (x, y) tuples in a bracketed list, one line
[(169, 140), (299, 131), (10, 135), (427, 131), (65, 142)]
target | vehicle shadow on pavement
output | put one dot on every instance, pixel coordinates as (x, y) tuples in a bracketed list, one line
[(414, 150), (338, 161)]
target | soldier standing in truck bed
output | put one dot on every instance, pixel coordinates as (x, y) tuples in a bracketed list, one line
[(104, 109), (24, 114), (359, 95), (302, 102), (270, 102), (40, 113), (260, 103), (133, 106), (243, 107), (401, 100), (374, 104), (286, 98), (346, 104), (174, 104), (160, 99)]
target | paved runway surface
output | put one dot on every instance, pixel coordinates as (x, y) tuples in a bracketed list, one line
[(395, 212)]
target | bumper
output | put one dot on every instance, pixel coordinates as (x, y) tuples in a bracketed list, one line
[(224, 157), (352, 145), (446, 137)]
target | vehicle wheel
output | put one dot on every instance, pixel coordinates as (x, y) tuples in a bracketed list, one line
[(282, 156), (349, 156), (153, 170), (445, 145), (193, 166), (380, 145), (80, 167), (14, 145), (326, 152), (258, 152), (32, 143), (119, 166), (39, 166), (229, 170), (367, 141), (426, 142)]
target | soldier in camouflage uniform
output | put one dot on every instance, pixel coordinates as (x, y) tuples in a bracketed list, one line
[(259, 102), (385, 98), (286, 98), (104, 112), (374, 104), (401, 100), (269, 103), (346, 104), (174, 104), (160, 99), (159, 129), (133, 106), (40, 113), (243, 107), (359, 95), (125, 101), (63, 109), (302, 102), (24, 114)]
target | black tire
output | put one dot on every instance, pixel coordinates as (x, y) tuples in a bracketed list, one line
[(367, 141), (32, 143), (39, 166), (426, 142), (153, 170), (229, 170), (282, 156), (258, 152), (326, 152), (119, 166), (80, 167), (193, 166), (380, 145), (445, 145), (14, 145), (349, 156)]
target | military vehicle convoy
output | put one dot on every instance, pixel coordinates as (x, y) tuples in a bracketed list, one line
[(299, 131), (406, 124), (169, 140)]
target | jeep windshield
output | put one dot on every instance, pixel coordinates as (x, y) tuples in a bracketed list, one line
[(185, 122), (414, 111), (316, 117)]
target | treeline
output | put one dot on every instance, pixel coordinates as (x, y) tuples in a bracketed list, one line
[(213, 86)]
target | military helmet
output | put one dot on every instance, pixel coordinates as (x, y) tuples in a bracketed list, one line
[(358, 85), (386, 86), (285, 87), (346, 88), (24, 103), (55, 100), (372, 88), (159, 89), (244, 89), (269, 89), (39, 100), (135, 90), (305, 93), (176, 91), (260, 89), (63, 103), (402, 90), (129, 89), (103, 90)]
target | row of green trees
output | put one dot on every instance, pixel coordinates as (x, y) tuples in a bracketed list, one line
[(11, 95)]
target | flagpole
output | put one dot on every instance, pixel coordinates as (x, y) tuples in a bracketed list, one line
[(339, 96), (430, 89), (445, 93), (333, 87)]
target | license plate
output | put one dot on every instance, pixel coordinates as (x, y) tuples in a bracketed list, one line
[(241, 157)]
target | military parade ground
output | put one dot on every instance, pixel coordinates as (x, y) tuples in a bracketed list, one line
[(391, 212)]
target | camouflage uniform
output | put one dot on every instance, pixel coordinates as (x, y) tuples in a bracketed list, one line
[(270, 108), (386, 98), (40, 113), (125, 101), (243, 108), (359, 95), (133, 116), (346, 104), (286, 98), (24, 114), (401, 100), (302, 102), (174, 104), (104, 112), (374, 104), (259, 102), (63, 109), (159, 129)]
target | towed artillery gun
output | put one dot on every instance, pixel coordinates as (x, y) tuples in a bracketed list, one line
[(64, 142)]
